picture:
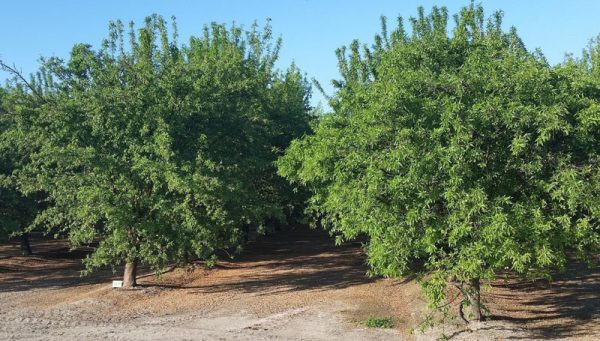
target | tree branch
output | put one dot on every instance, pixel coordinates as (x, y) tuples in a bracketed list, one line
[(13, 70)]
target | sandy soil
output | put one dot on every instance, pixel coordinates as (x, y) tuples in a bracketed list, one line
[(293, 286)]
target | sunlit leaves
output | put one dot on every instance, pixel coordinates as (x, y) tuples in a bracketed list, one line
[(459, 154)]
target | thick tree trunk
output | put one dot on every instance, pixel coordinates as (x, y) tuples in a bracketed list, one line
[(474, 296), (25, 247), (129, 276)]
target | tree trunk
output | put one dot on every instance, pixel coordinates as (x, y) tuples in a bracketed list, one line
[(129, 276), (25, 247), (474, 297)]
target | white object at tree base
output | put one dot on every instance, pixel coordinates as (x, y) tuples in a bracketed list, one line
[(117, 284)]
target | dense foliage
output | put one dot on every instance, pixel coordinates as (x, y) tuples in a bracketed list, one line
[(16, 210), (460, 154), (163, 152)]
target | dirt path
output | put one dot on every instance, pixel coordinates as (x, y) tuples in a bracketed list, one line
[(296, 286)]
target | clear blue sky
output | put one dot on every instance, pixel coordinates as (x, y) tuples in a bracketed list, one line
[(311, 29)]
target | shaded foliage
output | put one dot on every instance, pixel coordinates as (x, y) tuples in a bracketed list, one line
[(17, 211)]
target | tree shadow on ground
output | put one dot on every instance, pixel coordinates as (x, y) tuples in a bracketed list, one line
[(502, 329), (552, 310), (291, 261), (52, 265), (287, 261)]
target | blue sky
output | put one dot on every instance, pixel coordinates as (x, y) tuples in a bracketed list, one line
[(311, 29)]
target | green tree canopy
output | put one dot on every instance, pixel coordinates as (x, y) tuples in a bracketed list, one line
[(459, 154), (160, 151)]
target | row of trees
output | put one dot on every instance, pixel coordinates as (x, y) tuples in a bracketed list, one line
[(460, 154)]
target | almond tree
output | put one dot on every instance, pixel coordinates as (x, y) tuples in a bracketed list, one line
[(161, 152), (459, 153)]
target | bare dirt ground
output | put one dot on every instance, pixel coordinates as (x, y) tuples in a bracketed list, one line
[(292, 286)]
